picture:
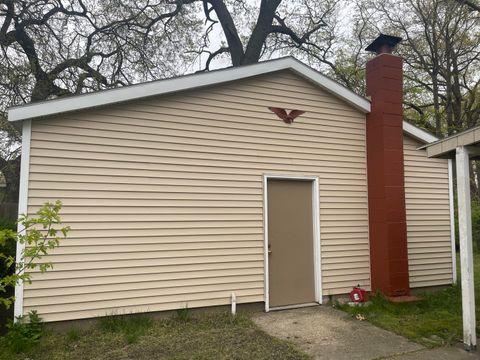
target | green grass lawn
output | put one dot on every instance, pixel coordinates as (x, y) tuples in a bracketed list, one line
[(435, 321), (201, 336)]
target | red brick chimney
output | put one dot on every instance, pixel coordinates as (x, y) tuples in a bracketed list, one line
[(386, 189)]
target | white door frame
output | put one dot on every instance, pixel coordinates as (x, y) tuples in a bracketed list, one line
[(316, 234)]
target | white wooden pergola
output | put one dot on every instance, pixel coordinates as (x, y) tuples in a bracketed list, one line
[(463, 147)]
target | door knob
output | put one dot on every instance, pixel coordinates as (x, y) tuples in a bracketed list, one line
[(269, 249)]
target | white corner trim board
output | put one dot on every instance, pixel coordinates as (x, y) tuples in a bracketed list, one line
[(22, 206), (187, 82), (452, 220)]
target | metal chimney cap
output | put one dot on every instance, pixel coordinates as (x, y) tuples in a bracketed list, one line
[(383, 44)]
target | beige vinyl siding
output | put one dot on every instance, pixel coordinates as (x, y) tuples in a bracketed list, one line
[(428, 217), (165, 196)]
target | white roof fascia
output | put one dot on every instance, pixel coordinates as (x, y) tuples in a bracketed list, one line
[(418, 133), (188, 82), (331, 86)]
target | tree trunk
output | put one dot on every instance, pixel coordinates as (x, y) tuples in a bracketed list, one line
[(230, 31), (436, 105), (261, 31), (42, 90)]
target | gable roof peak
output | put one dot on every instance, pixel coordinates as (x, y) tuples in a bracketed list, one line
[(186, 82)]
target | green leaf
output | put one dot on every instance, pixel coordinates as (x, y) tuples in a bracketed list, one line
[(40, 235)]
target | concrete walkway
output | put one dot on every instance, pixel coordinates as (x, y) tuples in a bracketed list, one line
[(326, 333)]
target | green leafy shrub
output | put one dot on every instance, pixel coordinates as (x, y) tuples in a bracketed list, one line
[(476, 222), (8, 249), (475, 206), (40, 234), (23, 334), (7, 224)]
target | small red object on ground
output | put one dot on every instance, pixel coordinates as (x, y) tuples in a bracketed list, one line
[(358, 294)]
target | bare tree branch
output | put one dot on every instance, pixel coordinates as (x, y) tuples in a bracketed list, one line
[(213, 55), (284, 29), (470, 4)]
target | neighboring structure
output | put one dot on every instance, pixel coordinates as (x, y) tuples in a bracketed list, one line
[(183, 191), (464, 146)]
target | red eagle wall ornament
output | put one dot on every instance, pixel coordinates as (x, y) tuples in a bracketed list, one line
[(287, 118)]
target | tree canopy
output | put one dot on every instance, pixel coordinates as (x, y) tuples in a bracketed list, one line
[(52, 48), (56, 48), (61, 47), (441, 52)]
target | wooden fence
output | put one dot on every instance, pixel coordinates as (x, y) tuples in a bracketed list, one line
[(9, 211)]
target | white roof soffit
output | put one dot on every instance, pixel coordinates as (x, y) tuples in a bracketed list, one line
[(187, 82), (418, 133)]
